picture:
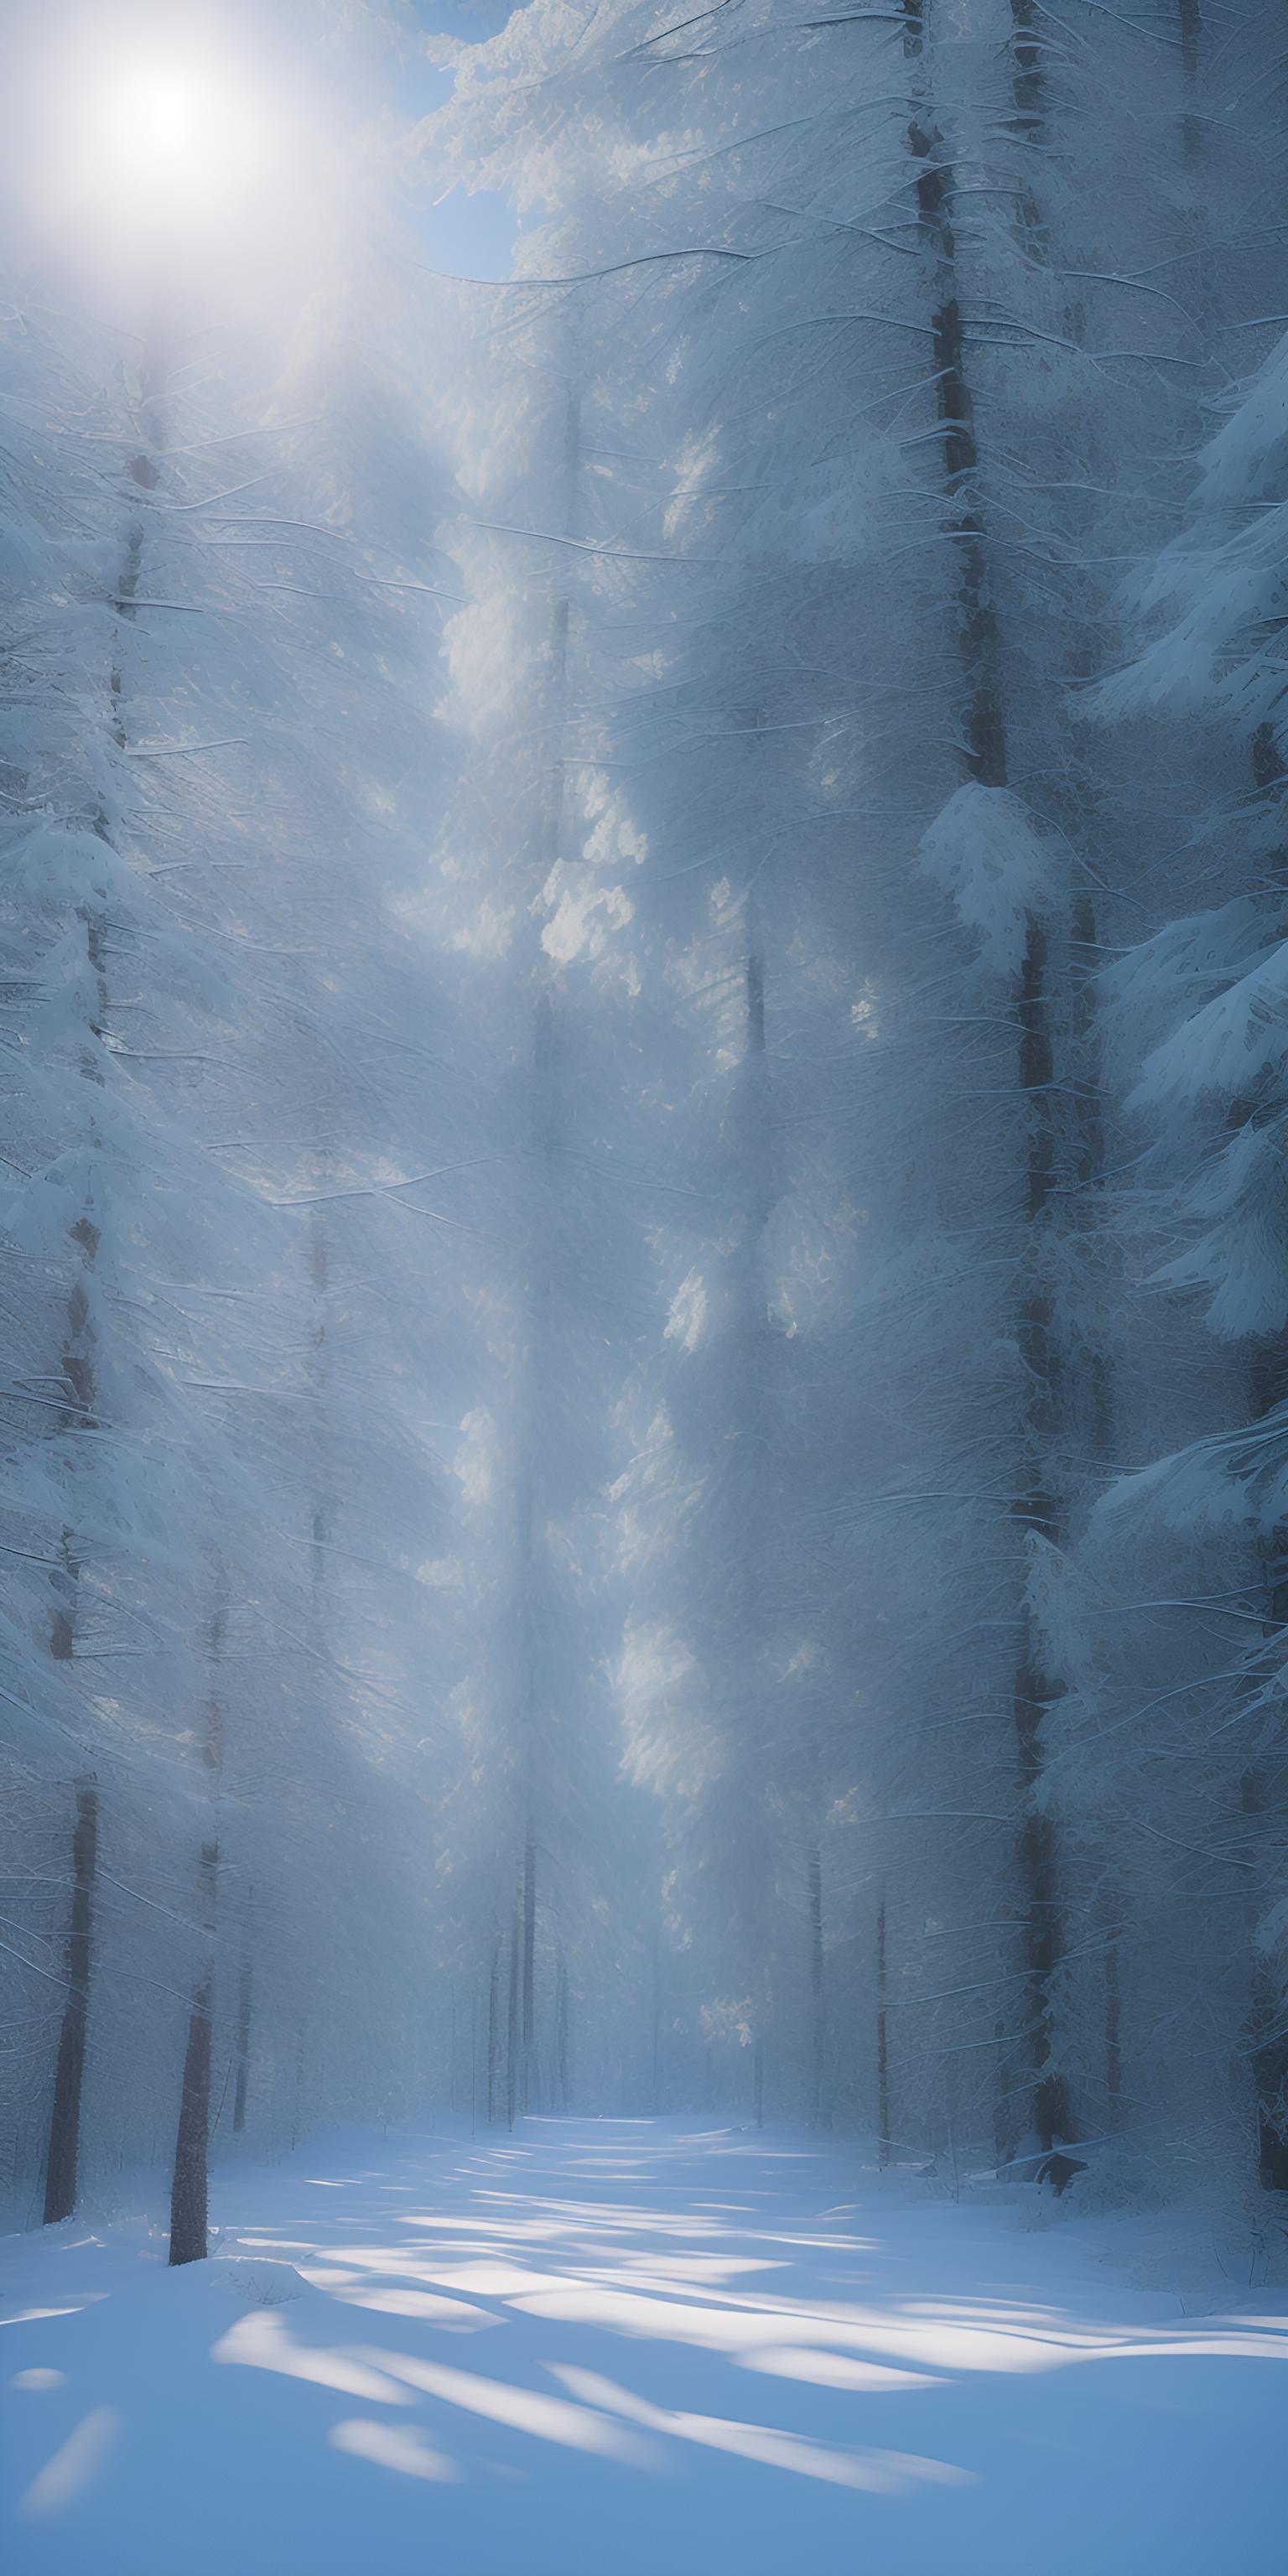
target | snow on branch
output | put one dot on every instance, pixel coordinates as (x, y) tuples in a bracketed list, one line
[(985, 853), (1228, 1480)]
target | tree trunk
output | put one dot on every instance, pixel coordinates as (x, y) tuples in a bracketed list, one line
[(1113, 2032), (749, 1444), (984, 731), (817, 2007), (69, 2077), (1093, 1403), (494, 2033), (656, 2032), (1001, 2108), (561, 2034), (188, 2190), (245, 1999), (1035, 1510), (533, 1569), (297, 2112), (883, 2038), (80, 1378), (1262, 1797), (529, 1970), (512, 2026), (1262, 1787), (1190, 17)]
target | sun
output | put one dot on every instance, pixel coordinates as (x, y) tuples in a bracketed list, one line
[(163, 139), (160, 108), (162, 159), (178, 134)]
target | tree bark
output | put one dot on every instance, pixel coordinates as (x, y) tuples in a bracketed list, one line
[(245, 2000), (512, 2026), (656, 2030), (1113, 2031), (189, 2185), (69, 2077), (1190, 17), (984, 729), (529, 1970), (561, 2034), (1263, 1795), (494, 2033), (533, 1573), (79, 1373), (816, 1984), (1263, 1789), (883, 2037)]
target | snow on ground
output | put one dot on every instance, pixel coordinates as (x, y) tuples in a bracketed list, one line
[(616, 2348)]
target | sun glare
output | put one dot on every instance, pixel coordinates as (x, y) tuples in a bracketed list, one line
[(179, 139), (158, 152), (162, 116)]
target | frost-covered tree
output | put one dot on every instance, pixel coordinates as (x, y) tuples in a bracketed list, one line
[(237, 1351), (640, 1060), (869, 357), (1201, 1028)]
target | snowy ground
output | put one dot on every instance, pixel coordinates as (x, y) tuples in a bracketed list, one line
[(611, 2348)]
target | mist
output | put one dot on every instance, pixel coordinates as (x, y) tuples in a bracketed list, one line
[(645, 1267)]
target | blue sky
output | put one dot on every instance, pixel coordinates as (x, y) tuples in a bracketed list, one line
[(468, 236)]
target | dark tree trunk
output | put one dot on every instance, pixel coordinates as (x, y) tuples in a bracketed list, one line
[(561, 2034), (1028, 98), (1001, 2107), (529, 1969), (494, 2033), (297, 2112), (1113, 2030), (816, 1986), (79, 1372), (1028, 84), (1263, 1790), (1268, 2046), (1089, 1403), (656, 2032), (188, 2189), (883, 2039), (69, 2076), (984, 732), (1035, 1688), (1095, 1395), (1190, 16), (544, 1255), (245, 2000), (512, 2026), (79, 1376), (1262, 1793)]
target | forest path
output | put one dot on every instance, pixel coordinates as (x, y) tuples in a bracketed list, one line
[(618, 2348)]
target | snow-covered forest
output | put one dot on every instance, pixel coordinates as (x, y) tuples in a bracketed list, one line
[(644, 980)]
